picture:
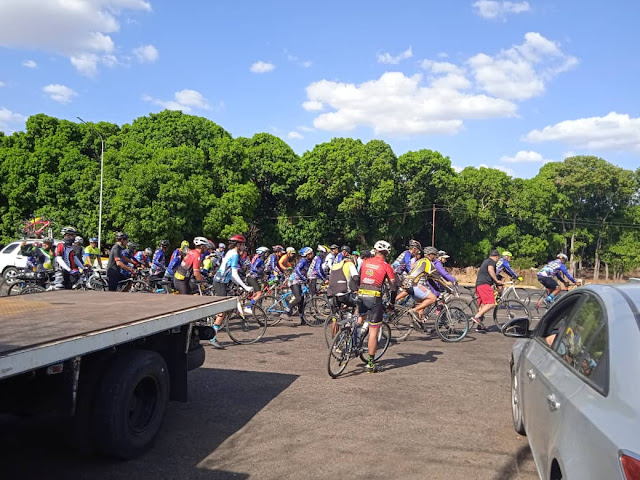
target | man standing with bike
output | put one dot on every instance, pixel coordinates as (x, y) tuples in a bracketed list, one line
[(484, 281), (190, 267), (67, 264), (228, 271), (373, 273), (116, 262)]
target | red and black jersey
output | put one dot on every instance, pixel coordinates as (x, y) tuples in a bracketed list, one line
[(68, 255), (373, 272), (189, 264)]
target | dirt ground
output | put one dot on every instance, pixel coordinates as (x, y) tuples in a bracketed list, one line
[(271, 411)]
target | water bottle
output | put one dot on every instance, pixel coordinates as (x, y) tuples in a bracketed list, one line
[(363, 330)]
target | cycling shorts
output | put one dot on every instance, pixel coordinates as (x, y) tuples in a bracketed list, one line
[(485, 295), (348, 299), (548, 282), (419, 292), (182, 286), (220, 289), (253, 282), (371, 306)]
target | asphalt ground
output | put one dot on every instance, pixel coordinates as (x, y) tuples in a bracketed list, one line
[(271, 411)]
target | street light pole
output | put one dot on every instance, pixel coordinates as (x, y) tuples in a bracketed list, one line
[(101, 176)]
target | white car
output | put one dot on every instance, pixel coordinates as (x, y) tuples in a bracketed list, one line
[(10, 258), (575, 387)]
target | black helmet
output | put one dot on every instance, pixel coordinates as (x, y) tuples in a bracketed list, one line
[(345, 248), (48, 240), (415, 243), (68, 231), (122, 236), (430, 251), (133, 246), (163, 243), (334, 246)]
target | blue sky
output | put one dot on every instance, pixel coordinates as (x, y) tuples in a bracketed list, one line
[(505, 84)]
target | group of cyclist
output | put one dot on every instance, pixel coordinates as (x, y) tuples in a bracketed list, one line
[(353, 278)]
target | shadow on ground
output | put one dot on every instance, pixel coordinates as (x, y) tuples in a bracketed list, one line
[(512, 468), (221, 403)]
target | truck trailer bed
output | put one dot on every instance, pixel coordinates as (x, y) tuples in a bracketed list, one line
[(47, 328)]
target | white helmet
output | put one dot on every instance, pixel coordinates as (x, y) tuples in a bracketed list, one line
[(563, 256), (382, 246), (198, 241), (79, 240), (262, 250), (291, 250)]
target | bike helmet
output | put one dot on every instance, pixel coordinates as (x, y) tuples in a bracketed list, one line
[(278, 248), (323, 249), (48, 240), (69, 231), (79, 240), (132, 246), (334, 247), (507, 253), (93, 240), (442, 254), (163, 243), (122, 236), (430, 251), (415, 244), (238, 239), (262, 250), (345, 248), (304, 251), (184, 243), (148, 251), (382, 246), (222, 245), (563, 256), (356, 253), (291, 250), (199, 241)]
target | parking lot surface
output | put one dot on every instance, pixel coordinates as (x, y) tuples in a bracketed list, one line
[(271, 411)]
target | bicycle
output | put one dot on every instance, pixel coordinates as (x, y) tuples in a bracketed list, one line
[(35, 227), (538, 303), (242, 327), (351, 342), (314, 311), (506, 308), (26, 282)]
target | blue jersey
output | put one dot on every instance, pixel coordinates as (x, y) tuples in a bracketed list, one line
[(315, 269), (230, 261), (555, 268), (257, 267), (299, 274), (159, 264), (503, 265), (174, 261), (402, 264)]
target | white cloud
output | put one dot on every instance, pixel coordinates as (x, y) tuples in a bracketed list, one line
[(456, 168), (394, 60), (493, 9), (185, 100), (525, 156), (9, 119), (614, 131), (442, 55), (262, 67), (1, 84), (568, 154), (146, 54), (29, 64), (295, 58), (304, 128), (398, 105), (59, 93), (312, 105), (295, 135), (306, 64), (77, 29), (520, 72)]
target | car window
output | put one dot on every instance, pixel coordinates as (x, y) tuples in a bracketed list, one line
[(10, 248), (583, 342), (556, 320)]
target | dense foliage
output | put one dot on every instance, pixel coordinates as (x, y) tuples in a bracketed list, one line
[(174, 176)]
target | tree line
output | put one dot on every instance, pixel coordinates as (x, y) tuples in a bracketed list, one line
[(175, 176)]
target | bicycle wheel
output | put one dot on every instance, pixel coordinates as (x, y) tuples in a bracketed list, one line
[(16, 287), (316, 310), (452, 325), (331, 328), (4, 288), (247, 328), (339, 353), (402, 323), (30, 288), (140, 286), (97, 283), (537, 305), (469, 308), (517, 293), (508, 310), (273, 307), (384, 339)]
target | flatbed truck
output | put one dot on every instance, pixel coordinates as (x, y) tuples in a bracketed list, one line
[(109, 361)]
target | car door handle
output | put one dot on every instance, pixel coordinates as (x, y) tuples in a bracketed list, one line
[(553, 404), (531, 374)]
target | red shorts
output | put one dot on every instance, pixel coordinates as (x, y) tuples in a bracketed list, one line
[(485, 295)]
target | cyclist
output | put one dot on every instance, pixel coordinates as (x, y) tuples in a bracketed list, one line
[(78, 248), (143, 256), (484, 291), (159, 262), (256, 272), (272, 267), (66, 263), (356, 259), (190, 267), (417, 284), (176, 258), (402, 264), (297, 279), (42, 255), (343, 283), (374, 271), (92, 253), (555, 268), (116, 263), (286, 261), (330, 258), (227, 272), (345, 251), (218, 255), (503, 265), (442, 256), (315, 269), (129, 257)]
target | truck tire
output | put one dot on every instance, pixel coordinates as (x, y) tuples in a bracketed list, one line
[(130, 404), (195, 357)]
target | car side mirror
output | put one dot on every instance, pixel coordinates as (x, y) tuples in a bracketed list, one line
[(517, 328)]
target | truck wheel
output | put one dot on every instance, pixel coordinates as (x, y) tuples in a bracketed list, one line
[(130, 404), (195, 358)]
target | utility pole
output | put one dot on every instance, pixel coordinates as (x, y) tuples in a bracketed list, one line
[(433, 227), (101, 176)]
